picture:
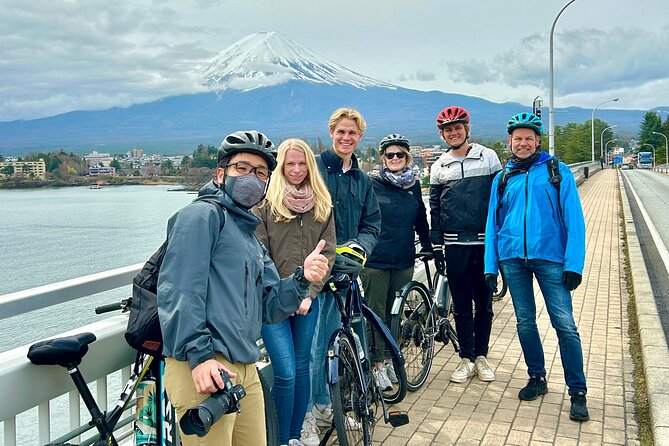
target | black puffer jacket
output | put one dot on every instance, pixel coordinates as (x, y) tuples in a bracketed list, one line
[(402, 216)]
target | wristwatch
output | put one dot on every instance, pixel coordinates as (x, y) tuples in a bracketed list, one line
[(299, 276)]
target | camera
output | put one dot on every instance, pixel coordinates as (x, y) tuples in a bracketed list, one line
[(198, 420)]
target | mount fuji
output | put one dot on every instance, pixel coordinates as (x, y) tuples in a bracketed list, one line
[(268, 82)]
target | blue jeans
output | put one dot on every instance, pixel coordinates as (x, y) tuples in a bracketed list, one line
[(329, 319), (288, 344), (518, 274)]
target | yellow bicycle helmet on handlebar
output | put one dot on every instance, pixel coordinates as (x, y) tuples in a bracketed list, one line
[(350, 258)]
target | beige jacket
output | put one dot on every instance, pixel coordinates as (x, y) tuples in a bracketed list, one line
[(289, 243)]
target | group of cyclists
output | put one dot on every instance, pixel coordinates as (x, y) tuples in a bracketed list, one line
[(264, 271)]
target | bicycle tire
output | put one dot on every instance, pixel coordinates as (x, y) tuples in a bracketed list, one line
[(414, 329), (398, 390), (271, 417), (349, 402), (502, 288)]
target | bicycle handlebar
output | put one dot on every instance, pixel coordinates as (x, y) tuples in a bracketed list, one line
[(123, 305), (424, 255)]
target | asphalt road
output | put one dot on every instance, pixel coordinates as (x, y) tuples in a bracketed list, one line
[(648, 194)]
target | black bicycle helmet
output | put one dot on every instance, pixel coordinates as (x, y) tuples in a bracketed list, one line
[(349, 259), (394, 139), (250, 141)]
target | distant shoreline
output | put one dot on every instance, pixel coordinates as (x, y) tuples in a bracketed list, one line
[(101, 181)]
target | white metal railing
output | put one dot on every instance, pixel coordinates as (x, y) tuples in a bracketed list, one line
[(24, 386)]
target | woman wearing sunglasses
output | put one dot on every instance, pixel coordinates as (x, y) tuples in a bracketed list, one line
[(403, 215)]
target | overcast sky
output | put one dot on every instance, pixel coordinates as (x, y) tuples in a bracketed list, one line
[(58, 56)]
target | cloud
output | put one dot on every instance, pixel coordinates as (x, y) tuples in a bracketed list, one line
[(585, 61), (420, 76)]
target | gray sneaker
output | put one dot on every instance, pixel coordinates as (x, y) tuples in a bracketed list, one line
[(323, 417), (309, 435), (390, 371), (381, 377), (463, 371), (483, 370)]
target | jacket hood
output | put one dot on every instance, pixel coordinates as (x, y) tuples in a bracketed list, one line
[(244, 218), (475, 151), (543, 157)]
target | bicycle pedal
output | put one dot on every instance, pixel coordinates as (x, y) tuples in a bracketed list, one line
[(398, 418)]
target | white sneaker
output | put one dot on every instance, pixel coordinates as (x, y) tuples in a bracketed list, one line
[(323, 417), (390, 371), (463, 371), (381, 377), (295, 442), (483, 370), (310, 431)]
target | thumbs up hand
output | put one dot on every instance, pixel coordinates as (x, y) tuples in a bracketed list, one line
[(316, 264)]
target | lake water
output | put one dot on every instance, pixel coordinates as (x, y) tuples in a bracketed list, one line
[(49, 235)]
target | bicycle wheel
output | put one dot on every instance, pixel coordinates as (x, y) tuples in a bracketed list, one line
[(271, 418), (502, 288), (349, 403), (414, 329), (394, 369)]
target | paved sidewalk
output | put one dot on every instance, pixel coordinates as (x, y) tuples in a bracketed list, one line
[(444, 413)]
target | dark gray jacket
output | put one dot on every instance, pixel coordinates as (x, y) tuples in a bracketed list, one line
[(357, 215), (215, 290)]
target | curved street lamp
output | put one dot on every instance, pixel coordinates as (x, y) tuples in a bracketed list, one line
[(601, 140), (666, 146), (551, 94), (592, 122), (652, 147), (606, 149)]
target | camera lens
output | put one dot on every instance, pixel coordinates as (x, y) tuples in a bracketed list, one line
[(196, 421)]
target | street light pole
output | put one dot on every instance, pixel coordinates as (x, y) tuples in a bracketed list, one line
[(666, 147), (592, 122), (551, 93), (601, 140), (606, 149)]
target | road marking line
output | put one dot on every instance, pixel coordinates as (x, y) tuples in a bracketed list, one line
[(661, 248)]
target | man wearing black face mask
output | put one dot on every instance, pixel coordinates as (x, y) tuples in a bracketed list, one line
[(216, 287)]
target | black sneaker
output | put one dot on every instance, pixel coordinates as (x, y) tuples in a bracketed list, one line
[(579, 410), (535, 387)]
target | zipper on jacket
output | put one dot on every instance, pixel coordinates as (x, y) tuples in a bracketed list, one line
[(550, 200), (246, 289), (527, 181)]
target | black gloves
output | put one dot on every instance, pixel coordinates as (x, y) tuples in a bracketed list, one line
[(439, 260), (491, 281), (571, 279)]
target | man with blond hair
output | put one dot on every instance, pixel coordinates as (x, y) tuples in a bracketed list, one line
[(357, 223)]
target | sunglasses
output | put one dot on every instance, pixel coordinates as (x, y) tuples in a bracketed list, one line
[(391, 155)]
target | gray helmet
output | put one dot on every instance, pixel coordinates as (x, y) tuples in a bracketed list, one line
[(250, 141), (394, 139)]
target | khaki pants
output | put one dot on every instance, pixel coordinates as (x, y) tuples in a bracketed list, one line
[(244, 429)]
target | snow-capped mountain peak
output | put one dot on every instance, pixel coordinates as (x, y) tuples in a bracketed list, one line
[(271, 58)]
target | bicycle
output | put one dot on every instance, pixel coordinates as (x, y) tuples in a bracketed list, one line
[(69, 351), (356, 396), (417, 322)]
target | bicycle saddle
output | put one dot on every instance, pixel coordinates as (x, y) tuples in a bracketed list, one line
[(66, 352)]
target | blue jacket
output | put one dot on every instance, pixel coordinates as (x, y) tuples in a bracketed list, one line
[(530, 224), (216, 289), (357, 214)]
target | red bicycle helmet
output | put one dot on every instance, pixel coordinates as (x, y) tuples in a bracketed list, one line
[(452, 114)]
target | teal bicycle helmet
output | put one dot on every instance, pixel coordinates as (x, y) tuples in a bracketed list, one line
[(525, 121)]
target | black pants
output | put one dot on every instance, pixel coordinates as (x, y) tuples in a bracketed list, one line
[(464, 269)]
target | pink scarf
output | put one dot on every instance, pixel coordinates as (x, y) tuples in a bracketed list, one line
[(299, 200)]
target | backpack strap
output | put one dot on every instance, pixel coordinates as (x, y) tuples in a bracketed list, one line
[(217, 205), (555, 178)]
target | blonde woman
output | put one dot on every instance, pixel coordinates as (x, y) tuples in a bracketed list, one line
[(296, 214)]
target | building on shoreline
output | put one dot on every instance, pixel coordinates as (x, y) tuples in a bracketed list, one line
[(25, 168)]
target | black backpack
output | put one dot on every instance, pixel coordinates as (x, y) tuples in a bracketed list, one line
[(143, 333), (554, 178)]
